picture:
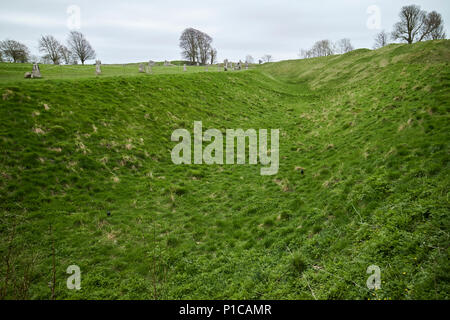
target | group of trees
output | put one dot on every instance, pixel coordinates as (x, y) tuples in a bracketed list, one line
[(11, 50), (415, 25), (325, 48), (77, 49), (196, 46)]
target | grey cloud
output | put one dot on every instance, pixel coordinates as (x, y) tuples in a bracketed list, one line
[(138, 30)]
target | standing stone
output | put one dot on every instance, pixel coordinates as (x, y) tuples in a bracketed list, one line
[(151, 63), (184, 68), (141, 68), (36, 73), (98, 69), (239, 65), (198, 64), (166, 63), (225, 65)]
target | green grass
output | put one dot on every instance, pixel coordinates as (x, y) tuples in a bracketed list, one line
[(369, 128), (10, 72)]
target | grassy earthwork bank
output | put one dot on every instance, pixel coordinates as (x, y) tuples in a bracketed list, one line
[(368, 129)]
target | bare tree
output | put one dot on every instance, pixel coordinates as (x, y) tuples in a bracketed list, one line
[(188, 43), (51, 47), (267, 58), (434, 27), (213, 55), (411, 22), (381, 40), (305, 54), (322, 48), (438, 34), (344, 46), (80, 46), (416, 25), (196, 46), (204, 46), (249, 59), (66, 55), (14, 51)]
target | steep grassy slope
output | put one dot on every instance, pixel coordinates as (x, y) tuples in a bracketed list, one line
[(370, 130)]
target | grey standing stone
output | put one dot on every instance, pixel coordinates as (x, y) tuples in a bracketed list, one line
[(141, 68), (36, 73), (225, 65), (98, 69), (151, 63)]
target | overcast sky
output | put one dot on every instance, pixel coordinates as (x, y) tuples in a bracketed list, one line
[(140, 30)]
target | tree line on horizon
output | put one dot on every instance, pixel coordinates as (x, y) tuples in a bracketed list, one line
[(415, 25), (78, 49)]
